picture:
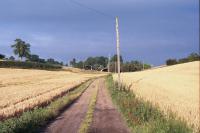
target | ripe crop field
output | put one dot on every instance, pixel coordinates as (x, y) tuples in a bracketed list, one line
[(174, 88), (23, 89)]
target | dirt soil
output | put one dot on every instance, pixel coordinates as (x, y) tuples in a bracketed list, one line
[(106, 117), (70, 120)]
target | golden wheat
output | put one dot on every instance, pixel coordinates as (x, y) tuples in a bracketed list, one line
[(174, 88), (22, 89)]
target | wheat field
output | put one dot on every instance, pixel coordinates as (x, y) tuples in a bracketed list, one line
[(174, 88), (23, 89)]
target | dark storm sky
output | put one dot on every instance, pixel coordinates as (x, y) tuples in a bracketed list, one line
[(150, 30)]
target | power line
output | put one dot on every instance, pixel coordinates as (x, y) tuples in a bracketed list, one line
[(92, 9)]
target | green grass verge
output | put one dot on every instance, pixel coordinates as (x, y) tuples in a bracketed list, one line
[(32, 121), (142, 116), (84, 128)]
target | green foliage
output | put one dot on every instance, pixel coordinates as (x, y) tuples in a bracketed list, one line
[(21, 48), (79, 64), (142, 116), (99, 63), (131, 66), (84, 128), (73, 62), (12, 58), (114, 59), (171, 62), (2, 56), (193, 57), (32, 121), (34, 58), (26, 65), (147, 66), (52, 61), (190, 58), (95, 63)]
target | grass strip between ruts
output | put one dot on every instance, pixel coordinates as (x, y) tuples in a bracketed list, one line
[(84, 127)]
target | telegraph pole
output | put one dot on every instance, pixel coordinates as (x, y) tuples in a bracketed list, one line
[(118, 51), (69, 65), (109, 63), (115, 66), (143, 65)]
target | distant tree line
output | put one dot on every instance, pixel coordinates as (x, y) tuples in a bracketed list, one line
[(133, 66), (91, 63), (2, 56), (101, 63), (22, 50), (190, 58)]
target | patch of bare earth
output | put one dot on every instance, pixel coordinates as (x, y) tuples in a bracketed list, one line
[(106, 118)]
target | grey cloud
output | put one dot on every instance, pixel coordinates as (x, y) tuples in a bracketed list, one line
[(64, 30)]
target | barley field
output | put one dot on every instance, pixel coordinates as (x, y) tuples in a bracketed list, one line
[(23, 89), (173, 88)]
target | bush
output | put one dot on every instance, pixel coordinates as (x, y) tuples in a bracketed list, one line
[(171, 62), (190, 58), (193, 57), (2, 56), (183, 60), (26, 65), (12, 58)]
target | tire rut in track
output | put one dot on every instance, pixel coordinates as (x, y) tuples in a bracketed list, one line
[(69, 121), (106, 118)]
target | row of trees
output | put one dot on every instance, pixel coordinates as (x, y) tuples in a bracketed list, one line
[(22, 50), (12, 58), (92, 63), (190, 58), (2, 56), (101, 63)]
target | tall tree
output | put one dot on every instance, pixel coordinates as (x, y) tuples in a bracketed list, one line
[(171, 62), (12, 58), (193, 57), (73, 62), (21, 48), (34, 58), (114, 59)]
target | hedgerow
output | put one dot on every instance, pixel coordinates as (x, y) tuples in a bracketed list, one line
[(28, 65)]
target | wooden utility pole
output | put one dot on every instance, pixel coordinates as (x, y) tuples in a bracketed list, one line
[(143, 65), (109, 63), (118, 51), (199, 93)]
